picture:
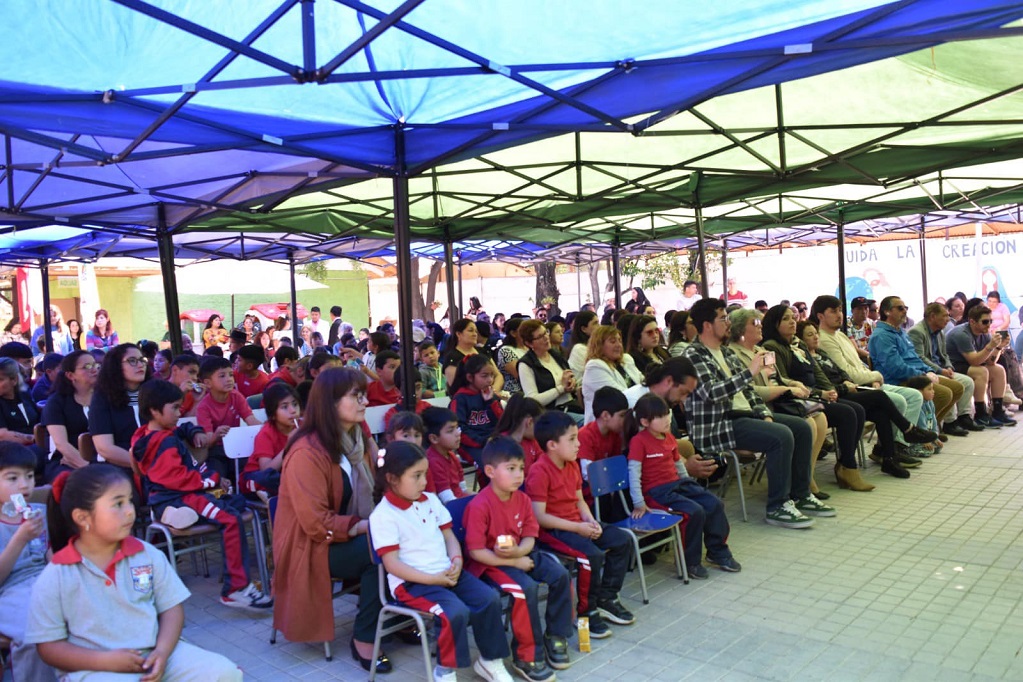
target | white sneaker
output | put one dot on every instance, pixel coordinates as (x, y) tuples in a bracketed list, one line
[(442, 674), (179, 518), (263, 496), (251, 598), (492, 671)]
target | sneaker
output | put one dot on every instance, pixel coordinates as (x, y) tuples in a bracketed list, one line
[(556, 651), (179, 518), (969, 423), (698, 572), (492, 671), (987, 422), (263, 496), (538, 671), (613, 610), (811, 506), (442, 674), (1003, 419), (251, 598), (893, 468), (787, 516), (954, 429), (599, 629), (727, 564), (906, 460), (915, 434)]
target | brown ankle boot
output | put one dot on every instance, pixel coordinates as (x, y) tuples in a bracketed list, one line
[(850, 479)]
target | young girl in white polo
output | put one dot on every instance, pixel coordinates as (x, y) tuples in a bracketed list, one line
[(109, 602)]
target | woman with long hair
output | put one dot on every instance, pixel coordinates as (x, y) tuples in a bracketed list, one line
[(214, 334), (13, 331), (101, 335), (58, 333), (509, 354), (607, 364), (321, 525), (643, 342), (64, 413), (113, 412), (583, 324), (74, 331), (464, 335)]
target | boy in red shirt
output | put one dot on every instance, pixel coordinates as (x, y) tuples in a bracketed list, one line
[(286, 356), (384, 391), (222, 409), (602, 438), (500, 535), (568, 527), (657, 474), (441, 428), (249, 378), (185, 375)]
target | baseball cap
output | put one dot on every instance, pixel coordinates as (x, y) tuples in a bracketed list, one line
[(861, 301)]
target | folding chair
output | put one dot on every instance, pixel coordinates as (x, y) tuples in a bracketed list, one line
[(254, 401), (456, 508), (611, 475), (738, 459), (393, 607), (87, 449), (42, 437)]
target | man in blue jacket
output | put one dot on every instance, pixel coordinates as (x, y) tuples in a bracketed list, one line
[(893, 355)]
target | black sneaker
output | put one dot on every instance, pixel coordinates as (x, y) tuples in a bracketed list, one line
[(728, 564), (907, 461), (599, 629), (698, 572), (556, 650), (967, 422), (954, 429), (987, 422), (893, 468), (915, 434), (613, 610), (535, 671)]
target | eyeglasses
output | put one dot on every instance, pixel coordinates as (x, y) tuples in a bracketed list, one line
[(543, 336), (986, 322), (900, 308), (135, 361), (89, 366), (756, 323), (651, 332), (801, 310)]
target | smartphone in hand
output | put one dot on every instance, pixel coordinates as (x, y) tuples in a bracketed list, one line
[(769, 358)]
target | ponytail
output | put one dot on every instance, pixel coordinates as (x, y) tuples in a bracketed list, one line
[(78, 489)]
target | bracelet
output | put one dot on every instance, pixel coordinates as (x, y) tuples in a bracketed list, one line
[(457, 556)]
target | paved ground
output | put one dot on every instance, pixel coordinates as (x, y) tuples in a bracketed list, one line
[(917, 580)]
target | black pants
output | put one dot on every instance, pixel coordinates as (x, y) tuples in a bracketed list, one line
[(602, 562), (351, 561), (848, 418), (881, 410)]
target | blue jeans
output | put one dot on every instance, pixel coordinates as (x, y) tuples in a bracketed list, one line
[(786, 444)]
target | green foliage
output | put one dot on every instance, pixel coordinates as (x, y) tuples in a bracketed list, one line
[(673, 267), (316, 271)]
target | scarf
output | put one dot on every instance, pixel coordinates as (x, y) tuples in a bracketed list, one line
[(353, 449)]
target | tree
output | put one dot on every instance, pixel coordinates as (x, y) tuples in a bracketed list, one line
[(421, 310), (547, 286), (673, 267)]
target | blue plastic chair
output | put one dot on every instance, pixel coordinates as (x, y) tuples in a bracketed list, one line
[(391, 606), (611, 476), (456, 508)]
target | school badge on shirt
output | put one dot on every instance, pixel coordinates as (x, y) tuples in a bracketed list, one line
[(142, 578)]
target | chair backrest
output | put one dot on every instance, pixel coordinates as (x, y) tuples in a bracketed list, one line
[(608, 475), (86, 448), (259, 413), (255, 401), (188, 420), (40, 494), (375, 418), (271, 510), (239, 441), (456, 508), (443, 401)]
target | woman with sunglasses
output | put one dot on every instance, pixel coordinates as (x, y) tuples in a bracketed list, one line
[(64, 413), (113, 412), (643, 343)]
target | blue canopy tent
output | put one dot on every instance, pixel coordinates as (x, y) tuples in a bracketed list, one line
[(124, 113)]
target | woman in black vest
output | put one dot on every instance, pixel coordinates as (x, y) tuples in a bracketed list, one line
[(543, 375)]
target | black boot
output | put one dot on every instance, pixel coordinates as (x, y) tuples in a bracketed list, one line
[(892, 467)]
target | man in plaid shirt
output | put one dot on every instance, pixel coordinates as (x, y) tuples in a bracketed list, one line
[(725, 413)]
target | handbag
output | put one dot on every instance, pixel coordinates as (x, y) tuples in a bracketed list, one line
[(789, 404)]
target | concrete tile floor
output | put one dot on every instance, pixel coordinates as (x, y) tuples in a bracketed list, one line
[(917, 580)]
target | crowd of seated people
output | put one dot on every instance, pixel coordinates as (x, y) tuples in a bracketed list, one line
[(519, 410)]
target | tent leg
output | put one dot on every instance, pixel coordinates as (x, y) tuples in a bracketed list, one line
[(724, 273), (44, 270), (923, 263), (170, 282), (294, 301), (403, 258), (841, 273), (616, 271), (461, 302), (449, 279), (704, 282)]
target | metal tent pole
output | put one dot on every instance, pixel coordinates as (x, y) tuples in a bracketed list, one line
[(449, 277), (403, 259), (724, 271), (923, 262), (616, 269), (44, 269), (578, 285), (294, 300), (170, 282), (461, 303), (704, 283), (841, 272)]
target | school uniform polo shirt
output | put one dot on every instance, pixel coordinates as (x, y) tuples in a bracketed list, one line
[(446, 472), (249, 386), (488, 516), (377, 395), (532, 451), (414, 531), (657, 458), (269, 442), (211, 413), (594, 446), (555, 487), (115, 607)]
